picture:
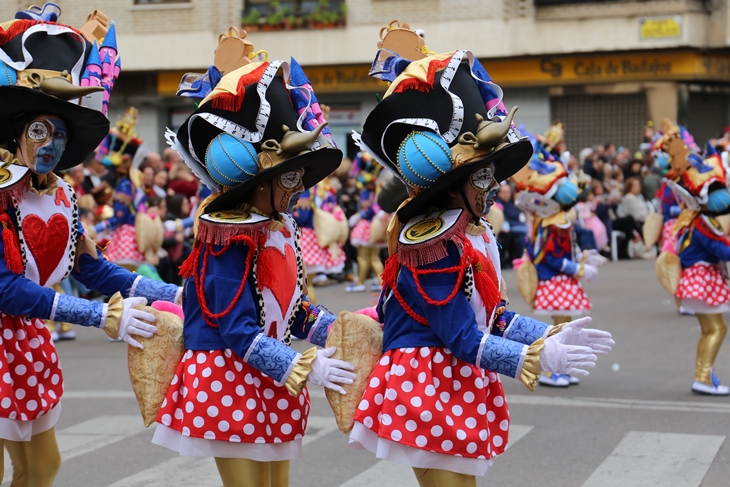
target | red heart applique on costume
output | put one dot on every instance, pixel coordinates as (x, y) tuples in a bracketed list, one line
[(278, 272), (46, 241)]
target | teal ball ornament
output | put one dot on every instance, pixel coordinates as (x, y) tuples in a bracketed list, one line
[(231, 160), (423, 157), (567, 192), (718, 201)]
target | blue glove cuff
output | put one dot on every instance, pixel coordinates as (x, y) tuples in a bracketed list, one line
[(153, 290), (501, 355), (271, 357), (76, 310), (322, 318), (525, 330)]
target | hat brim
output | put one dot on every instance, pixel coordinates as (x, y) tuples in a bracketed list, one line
[(87, 127), (317, 165), (507, 161)]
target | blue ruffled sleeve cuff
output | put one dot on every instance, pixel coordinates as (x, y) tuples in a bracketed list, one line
[(501, 355), (322, 319), (526, 330), (79, 311), (569, 267), (155, 290), (271, 357)]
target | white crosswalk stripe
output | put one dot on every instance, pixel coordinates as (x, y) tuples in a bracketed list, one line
[(644, 459), (389, 474), (202, 472), (89, 436)]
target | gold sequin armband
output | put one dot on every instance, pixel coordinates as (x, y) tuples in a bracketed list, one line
[(298, 376), (113, 316)]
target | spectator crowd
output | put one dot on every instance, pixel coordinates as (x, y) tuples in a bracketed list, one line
[(621, 186)]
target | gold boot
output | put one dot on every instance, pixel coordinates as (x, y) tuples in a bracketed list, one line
[(714, 330)]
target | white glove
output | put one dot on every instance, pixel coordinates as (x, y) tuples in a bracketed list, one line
[(595, 259), (131, 324), (326, 372), (590, 273), (558, 358), (574, 333), (169, 226)]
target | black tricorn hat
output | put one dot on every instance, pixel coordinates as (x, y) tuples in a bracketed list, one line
[(437, 111), (277, 129)]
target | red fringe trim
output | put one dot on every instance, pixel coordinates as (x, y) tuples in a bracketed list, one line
[(486, 280), (221, 233), (416, 84), (231, 102), (187, 269), (20, 26), (432, 250), (15, 193), (13, 259)]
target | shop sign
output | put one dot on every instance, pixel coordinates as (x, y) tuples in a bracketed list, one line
[(660, 27), (344, 116), (536, 71), (648, 66), (343, 79)]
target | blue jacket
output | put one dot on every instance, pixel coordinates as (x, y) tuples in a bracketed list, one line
[(453, 325), (703, 241), (551, 250)]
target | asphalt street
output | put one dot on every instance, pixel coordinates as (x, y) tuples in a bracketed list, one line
[(632, 423)]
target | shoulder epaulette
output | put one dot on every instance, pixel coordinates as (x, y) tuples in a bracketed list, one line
[(424, 238), (13, 183), (220, 226)]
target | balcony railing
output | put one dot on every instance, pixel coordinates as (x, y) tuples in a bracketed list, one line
[(293, 14)]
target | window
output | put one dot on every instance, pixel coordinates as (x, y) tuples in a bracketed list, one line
[(293, 13)]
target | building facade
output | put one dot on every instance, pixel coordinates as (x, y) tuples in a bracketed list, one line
[(603, 67)]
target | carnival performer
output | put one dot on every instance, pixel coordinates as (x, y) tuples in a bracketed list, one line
[(547, 194), (258, 140), (324, 230), (42, 239), (122, 151), (435, 400), (703, 249), (669, 207), (365, 236)]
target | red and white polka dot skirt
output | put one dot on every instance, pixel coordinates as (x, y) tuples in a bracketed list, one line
[(360, 234), (216, 396), (31, 382), (123, 247), (561, 294), (428, 399), (315, 256), (704, 282)]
